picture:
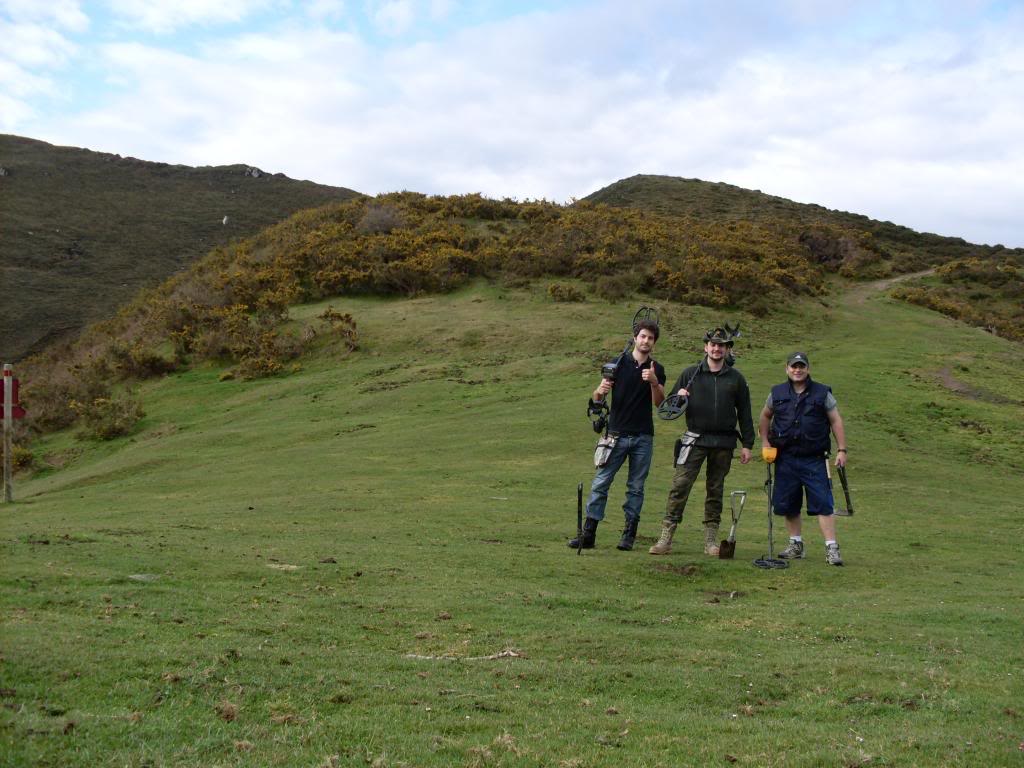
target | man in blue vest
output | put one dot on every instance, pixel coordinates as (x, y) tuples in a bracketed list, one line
[(796, 420)]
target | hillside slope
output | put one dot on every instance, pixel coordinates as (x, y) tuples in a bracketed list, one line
[(364, 561), (979, 284), (83, 231), (724, 202)]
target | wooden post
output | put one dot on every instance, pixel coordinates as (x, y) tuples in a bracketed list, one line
[(8, 433)]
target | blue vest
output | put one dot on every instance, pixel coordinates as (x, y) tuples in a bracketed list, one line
[(800, 423)]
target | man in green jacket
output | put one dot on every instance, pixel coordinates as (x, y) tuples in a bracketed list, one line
[(718, 398)]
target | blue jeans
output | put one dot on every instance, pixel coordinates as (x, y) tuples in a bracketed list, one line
[(639, 449)]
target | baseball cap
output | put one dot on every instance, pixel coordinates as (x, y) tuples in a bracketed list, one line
[(798, 357)]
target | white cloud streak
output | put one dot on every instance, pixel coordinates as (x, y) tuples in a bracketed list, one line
[(166, 16)]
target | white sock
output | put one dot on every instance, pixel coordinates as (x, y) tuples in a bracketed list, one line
[(830, 542), (796, 539)]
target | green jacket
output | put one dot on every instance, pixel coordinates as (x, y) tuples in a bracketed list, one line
[(717, 401)]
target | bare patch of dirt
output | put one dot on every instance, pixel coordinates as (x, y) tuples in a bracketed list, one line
[(953, 384), (61, 459), (682, 570), (862, 292)]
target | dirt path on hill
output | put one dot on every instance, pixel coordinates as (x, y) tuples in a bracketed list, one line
[(863, 291)]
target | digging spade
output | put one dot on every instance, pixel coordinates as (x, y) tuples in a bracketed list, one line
[(846, 490), (727, 549), (836, 509)]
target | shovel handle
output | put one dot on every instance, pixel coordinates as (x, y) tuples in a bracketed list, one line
[(846, 489)]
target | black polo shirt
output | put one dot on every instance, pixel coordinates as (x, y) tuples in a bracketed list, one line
[(631, 398)]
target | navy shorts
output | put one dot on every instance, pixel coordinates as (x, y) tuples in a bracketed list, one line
[(793, 476)]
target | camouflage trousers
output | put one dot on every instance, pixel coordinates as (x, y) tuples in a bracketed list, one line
[(719, 461)]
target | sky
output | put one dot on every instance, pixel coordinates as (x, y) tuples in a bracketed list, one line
[(910, 112)]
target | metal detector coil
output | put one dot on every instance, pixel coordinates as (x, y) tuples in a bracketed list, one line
[(672, 407), (645, 314)]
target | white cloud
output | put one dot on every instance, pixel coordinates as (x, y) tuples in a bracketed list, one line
[(392, 17), (32, 51), (325, 10), (34, 45), (165, 16), (66, 14), (922, 129)]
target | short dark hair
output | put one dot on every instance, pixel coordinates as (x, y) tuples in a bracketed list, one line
[(647, 325)]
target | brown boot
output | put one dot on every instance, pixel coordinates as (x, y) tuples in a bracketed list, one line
[(664, 544), (711, 540)]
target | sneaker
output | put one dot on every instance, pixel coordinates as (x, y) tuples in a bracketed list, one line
[(795, 551), (832, 556)]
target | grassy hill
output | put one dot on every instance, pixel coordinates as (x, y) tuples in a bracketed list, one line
[(724, 202), (979, 284), (84, 231), (363, 562)]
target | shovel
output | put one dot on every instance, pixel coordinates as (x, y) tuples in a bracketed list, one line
[(846, 490), (727, 549), (836, 509)]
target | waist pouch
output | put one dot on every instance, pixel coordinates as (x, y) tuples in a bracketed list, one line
[(683, 446), (603, 451)]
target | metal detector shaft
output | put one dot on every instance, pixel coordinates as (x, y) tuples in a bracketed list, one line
[(579, 517), (771, 532), (770, 561)]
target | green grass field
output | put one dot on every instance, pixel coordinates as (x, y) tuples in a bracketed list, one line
[(364, 562)]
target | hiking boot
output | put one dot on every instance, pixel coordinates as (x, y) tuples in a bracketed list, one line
[(795, 551), (589, 535), (711, 540), (664, 543), (628, 536), (832, 556)]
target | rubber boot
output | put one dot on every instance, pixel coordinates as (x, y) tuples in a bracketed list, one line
[(711, 540), (628, 536), (589, 535), (664, 543)]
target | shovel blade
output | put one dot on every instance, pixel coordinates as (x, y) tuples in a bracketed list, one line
[(726, 550)]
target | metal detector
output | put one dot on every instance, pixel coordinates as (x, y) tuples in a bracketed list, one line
[(674, 406), (770, 561)]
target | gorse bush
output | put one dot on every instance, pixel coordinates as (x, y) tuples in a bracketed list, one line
[(561, 292), (105, 418), (232, 305), (988, 293)]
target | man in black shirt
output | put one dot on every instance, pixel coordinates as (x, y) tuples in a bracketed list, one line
[(718, 398), (639, 384)]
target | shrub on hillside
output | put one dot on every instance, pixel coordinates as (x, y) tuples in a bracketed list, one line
[(134, 361), (342, 325), (561, 292), (22, 458), (105, 418), (617, 287), (379, 219)]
